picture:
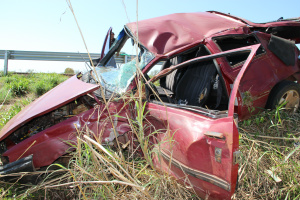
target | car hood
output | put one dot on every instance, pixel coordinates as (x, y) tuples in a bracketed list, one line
[(55, 98)]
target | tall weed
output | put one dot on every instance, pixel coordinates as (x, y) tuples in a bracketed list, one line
[(5, 95)]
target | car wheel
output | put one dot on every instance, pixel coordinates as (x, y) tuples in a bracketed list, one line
[(286, 91)]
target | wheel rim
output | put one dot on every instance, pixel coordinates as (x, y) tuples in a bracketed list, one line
[(292, 99)]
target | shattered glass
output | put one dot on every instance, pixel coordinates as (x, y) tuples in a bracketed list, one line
[(117, 79)]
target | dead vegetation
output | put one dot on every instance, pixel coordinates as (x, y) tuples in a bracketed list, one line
[(98, 172), (271, 158), (270, 168)]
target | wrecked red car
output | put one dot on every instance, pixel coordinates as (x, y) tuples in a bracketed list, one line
[(210, 70)]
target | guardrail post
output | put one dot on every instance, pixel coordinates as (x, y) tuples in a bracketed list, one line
[(6, 57)]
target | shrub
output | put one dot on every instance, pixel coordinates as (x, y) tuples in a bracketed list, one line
[(19, 85), (46, 82), (41, 88), (69, 71)]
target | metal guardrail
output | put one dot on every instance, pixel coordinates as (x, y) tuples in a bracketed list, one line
[(53, 56)]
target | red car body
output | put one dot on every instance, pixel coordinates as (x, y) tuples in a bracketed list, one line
[(244, 66)]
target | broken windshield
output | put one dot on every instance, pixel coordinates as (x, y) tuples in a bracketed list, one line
[(116, 77)]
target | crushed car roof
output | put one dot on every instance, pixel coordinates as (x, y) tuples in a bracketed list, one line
[(161, 35)]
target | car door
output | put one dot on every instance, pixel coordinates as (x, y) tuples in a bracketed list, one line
[(106, 46), (197, 146)]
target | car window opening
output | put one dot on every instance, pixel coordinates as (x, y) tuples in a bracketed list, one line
[(197, 85), (233, 42), (113, 78)]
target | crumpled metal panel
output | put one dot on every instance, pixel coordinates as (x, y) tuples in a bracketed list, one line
[(164, 34), (161, 35), (287, 22), (61, 94), (50, 144)]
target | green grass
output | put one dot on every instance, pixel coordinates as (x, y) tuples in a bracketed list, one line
[(5, 93), (20, 85), (6, 115), (45, 82), (19, 90)]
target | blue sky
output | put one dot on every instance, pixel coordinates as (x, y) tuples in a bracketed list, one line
[(40, 25)]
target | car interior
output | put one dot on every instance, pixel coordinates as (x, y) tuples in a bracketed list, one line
[(197, 85)]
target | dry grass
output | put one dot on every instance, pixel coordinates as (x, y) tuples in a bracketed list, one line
[(97, 172), (270, 168), (271, 157)]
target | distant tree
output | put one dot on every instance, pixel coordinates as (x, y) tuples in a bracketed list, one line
[(69, 70)]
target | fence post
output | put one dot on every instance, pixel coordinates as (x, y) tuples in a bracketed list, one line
[(6, 57)]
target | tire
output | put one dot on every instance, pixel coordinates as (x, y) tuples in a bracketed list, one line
[(285, 91)]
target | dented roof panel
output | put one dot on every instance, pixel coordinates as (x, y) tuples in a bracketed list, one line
[(61, 94), (280, 22), (164, 34), (161, 35)]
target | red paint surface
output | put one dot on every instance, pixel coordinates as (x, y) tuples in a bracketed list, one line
[(187, 143), (48, 145), (164, 34)]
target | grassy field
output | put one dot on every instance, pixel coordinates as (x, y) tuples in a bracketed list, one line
[(17, 91), (269, 142)]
